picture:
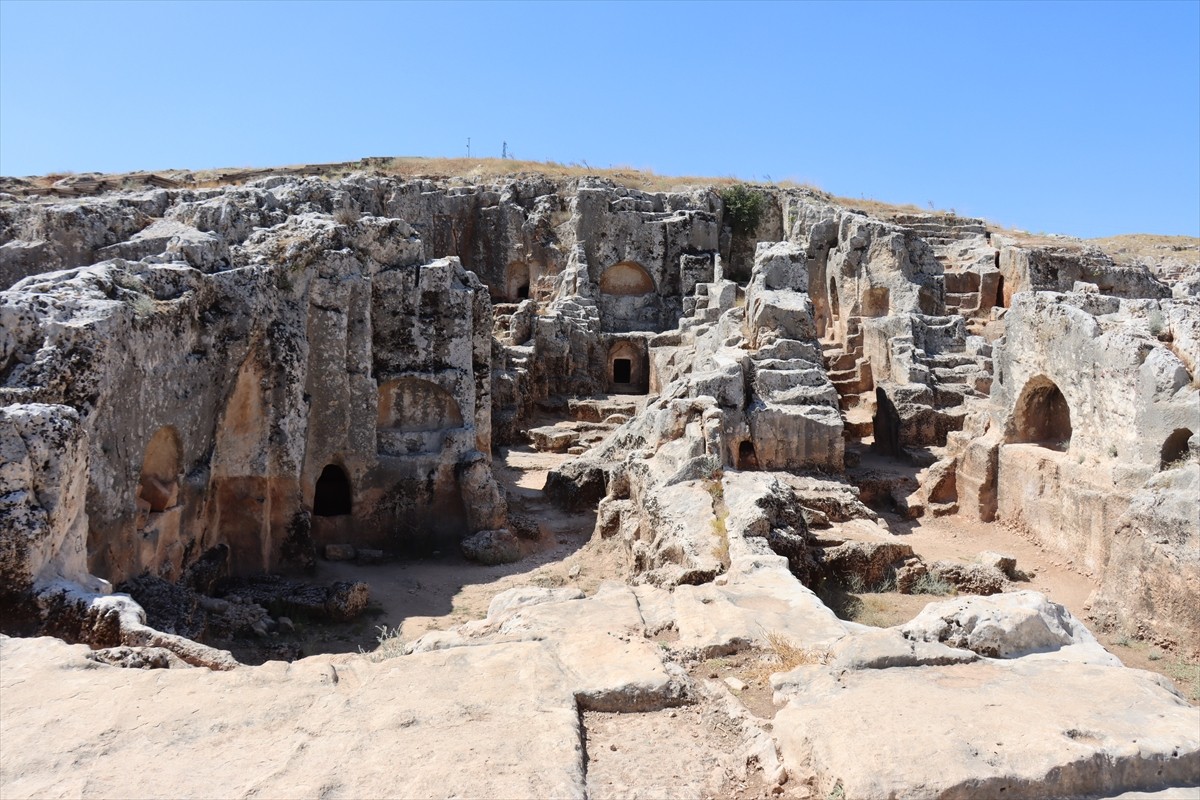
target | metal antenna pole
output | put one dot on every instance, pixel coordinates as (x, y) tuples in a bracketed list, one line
[(468, 147), (504, 151)]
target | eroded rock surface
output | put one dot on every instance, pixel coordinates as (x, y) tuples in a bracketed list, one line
[(199, 386)]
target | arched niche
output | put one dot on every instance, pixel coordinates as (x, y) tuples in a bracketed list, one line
[(517, 281), (412, 404), (158, 485), (333, 496), (1042, 415), (628, 278), (1175, 448)]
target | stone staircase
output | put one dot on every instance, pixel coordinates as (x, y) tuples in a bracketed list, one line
[(942, 229), (502, 315), (936, 380), (850, 373), (962, 292)]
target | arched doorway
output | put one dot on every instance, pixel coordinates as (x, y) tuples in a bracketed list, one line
[(1042, 416), (333, 497), (1175, 448), (516, 281), (747, 458)]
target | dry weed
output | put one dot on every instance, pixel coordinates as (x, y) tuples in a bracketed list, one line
[(785, 655)]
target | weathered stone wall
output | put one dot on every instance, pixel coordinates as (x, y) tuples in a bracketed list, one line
[(210, 405), (1088, 393)]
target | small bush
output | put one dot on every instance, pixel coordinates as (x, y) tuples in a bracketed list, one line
[(142, 306), (743, 208), (928, 584), (855, 584), (346, 216), (390, 644), (130, 282)]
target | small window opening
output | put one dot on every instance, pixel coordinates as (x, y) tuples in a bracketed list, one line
[(622, 370), (523, 291), (332, 498)]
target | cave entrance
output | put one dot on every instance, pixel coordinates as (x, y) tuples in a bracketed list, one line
[(747, 458), (1042, 416), (622, 371), (1000, 292), (1175, 448), (523, 291), (332, 498)]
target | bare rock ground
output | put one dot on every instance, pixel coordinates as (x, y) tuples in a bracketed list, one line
[(577, 687)]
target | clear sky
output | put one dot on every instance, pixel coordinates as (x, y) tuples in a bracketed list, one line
[(1079, 118)]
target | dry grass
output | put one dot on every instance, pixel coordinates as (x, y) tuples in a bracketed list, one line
[(792, 655), (642, 178), (785, 655), (390, 645), (1136, 248)]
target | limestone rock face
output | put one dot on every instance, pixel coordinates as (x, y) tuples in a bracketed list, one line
[(1025, 728), (492, 547), (202, 385), (1058, 269), (1153, 571), (1090, 411), (1005, 626), (331, 389), (42, 493)]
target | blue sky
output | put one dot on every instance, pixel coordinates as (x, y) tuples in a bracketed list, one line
[(1076, 118)]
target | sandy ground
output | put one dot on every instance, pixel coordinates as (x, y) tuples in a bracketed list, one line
[(410, 597)]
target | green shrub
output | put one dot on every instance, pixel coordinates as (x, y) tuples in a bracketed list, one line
[(927, 584), (743, 207)]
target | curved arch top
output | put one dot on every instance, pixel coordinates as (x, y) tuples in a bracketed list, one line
[(1041, 415), (627, 278)]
